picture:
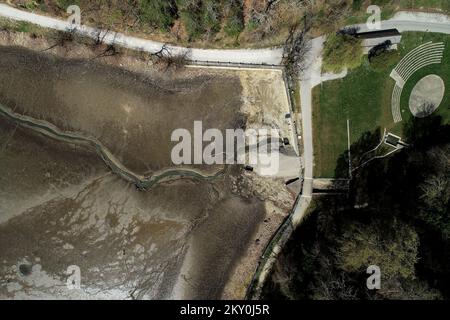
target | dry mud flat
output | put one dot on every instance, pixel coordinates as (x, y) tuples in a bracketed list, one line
[(128, 244), (61, 206), (133, 115)]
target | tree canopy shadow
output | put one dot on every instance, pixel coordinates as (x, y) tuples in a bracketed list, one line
[(396, 212)]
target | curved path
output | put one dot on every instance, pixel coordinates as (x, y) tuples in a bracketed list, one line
[(270, 56), (403, 21), (142, 182), (415, 21)]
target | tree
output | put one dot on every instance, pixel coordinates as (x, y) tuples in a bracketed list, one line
[(393, 249), (434, 202), (158, 13), (211, 16), (295, 50), (170, 62), (191, 13), (384, 60), (342, 50), (234, 23), (61, 38)]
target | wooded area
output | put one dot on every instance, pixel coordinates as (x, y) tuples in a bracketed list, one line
[(396, 216), (206, 22)]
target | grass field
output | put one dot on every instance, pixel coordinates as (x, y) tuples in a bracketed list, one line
[(364, 97)]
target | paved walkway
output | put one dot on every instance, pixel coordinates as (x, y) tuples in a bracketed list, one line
[(269, 56), (415, 21)]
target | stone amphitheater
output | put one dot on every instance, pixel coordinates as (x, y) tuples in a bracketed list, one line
[(422, 56)]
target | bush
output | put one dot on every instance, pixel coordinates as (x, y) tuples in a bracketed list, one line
[(211, 16), (356, 5), (384, 60), (235, 19), (191, 12), (192, 23), (158, 13), (342, 51)]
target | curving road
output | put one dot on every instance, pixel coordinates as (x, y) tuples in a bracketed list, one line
[(403, 21), (415, 21), (270, 56)]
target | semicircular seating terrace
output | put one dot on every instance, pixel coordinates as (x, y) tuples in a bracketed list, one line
[(422, 56)]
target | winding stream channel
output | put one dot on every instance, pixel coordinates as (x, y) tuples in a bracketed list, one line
[(142, 182)]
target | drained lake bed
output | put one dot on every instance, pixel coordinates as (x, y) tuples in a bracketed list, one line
[(62, 206)]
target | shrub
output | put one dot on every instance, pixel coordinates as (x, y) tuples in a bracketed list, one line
[(342, 51), (190, 12), (356, 5), (211, 16), (384, 60), (158, 13), (64, 4), (235, 19)]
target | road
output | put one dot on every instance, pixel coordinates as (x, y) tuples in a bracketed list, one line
[(270, 56), (404, 21), (415, 21), (310, 77)]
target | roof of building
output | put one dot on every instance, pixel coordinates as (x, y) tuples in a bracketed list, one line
[(392, 139), (378, 34)]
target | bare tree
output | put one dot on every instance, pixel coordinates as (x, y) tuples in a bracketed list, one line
[(169, 61), (425, 110), (110, 50), (61, 38), (295, 50), (173, 62), (164, 51)]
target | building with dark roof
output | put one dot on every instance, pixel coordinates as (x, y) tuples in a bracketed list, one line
[(373, 38)]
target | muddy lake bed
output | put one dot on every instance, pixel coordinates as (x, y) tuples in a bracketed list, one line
[(61, 205)]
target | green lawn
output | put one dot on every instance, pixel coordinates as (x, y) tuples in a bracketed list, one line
[(364, 98), (442, 70)]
